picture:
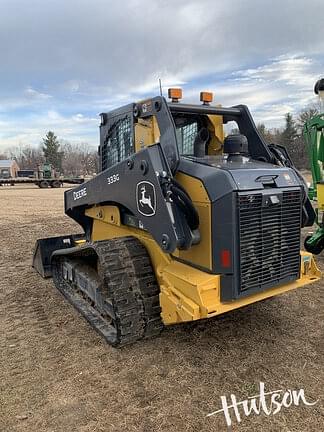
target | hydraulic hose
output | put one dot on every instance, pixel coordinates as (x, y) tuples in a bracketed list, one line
[(184, 203)]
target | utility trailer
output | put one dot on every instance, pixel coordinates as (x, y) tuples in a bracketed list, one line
[(44, 176), (41, 183)]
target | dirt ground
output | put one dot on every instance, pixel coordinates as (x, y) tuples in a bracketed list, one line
[(57, 374)]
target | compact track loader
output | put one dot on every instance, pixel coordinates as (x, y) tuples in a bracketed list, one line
[(181, 223)]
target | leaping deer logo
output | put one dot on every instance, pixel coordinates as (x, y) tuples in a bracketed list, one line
[(146, 198)]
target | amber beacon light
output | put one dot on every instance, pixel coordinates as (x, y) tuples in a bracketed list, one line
[(175, 94), (206, 97)]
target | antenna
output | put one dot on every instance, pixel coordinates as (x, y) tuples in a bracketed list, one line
[(160, 85)]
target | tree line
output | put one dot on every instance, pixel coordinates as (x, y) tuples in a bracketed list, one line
[(80, 159), (291, 136), (73, 159)]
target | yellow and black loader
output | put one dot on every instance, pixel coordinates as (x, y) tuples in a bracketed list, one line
[(181, 223)]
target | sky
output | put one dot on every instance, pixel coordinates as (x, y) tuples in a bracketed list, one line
[(64, 62)]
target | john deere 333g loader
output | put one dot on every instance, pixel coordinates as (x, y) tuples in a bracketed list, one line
[(180, 224)]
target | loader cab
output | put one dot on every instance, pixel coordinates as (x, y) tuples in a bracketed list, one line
[(121, 135), (182, 130), (199, 135)]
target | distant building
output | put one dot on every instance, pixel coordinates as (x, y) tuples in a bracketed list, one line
[(8, 168)]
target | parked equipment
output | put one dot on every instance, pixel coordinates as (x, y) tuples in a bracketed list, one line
[(181, 223), (44, 176), (314, 137)]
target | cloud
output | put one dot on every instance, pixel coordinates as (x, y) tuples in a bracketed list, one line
[(281, 86), (129, 43), (83, 57), (76, 128), (35, 95)]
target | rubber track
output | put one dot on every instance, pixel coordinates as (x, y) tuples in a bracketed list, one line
[(128, 283)]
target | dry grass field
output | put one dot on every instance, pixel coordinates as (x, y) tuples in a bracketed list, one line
[(57, 374)]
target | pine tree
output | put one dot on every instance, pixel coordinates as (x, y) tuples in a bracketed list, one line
[(269, 135), (262, 129), (293, 142), (289, 133), (51, 150)]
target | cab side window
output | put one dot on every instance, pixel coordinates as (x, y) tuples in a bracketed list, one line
[(118, 144), (186, 136)]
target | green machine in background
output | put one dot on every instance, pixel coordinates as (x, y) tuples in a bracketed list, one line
[(48, 171), (314, 137)]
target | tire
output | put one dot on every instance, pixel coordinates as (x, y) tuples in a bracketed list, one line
[(43, 184), (56, 184)]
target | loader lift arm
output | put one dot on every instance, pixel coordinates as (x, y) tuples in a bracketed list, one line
[(152, 166)]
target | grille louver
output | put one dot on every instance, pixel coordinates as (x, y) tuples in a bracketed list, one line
[(269, 239)]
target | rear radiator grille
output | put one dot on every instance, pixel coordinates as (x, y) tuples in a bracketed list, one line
[(269, 240)]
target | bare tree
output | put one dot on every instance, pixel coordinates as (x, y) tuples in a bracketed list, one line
[(27, 157), (270, 135), (79, 159), (304, 116)]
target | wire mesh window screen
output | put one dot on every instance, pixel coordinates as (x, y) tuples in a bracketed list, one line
[(119, 143), (186, 138)]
